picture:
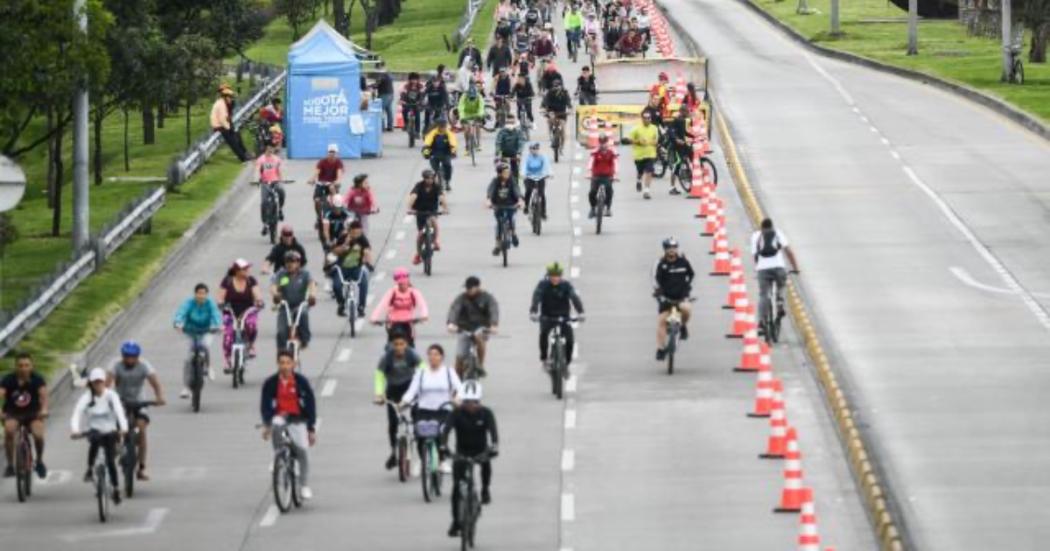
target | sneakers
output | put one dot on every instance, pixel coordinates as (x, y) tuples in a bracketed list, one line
[(514, 240), (661, 354), (486, 497), (685, 333), (454, 530), (638, 185), (89, 476), (185, 393), (116, 496), (608, 212), (341, 311), (307, 493), (280, 215), (496, 250), (391, 461), (141, 474), (361, 312), (226, 369), (416, 260), (646, 194), (437, 246), (211, 374), (251, 351), (446, 466), (9, 472), (674, 191), (545, 366), (590, 214), (41, 470), (265, 230)]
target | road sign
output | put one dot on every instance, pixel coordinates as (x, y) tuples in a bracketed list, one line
[(12, 184)]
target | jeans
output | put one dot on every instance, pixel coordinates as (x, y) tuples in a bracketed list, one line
[(300, 441), (279, 189), (593, 195), (187, 367), (504, 213), (388, 111), (250, 331), (342, 273), (765, 280), (233, 139), (108, 443), (539, 186), (566, 331), (442, 165), (459, 472), (283, 326)]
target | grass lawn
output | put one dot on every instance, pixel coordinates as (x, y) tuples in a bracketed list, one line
[(945, 48), (413, 42)]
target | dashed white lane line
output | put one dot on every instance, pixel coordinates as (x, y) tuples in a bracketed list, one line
[(568, 507), (570, 419), (568, 460), (577, 250), (399, 235), (873, 129), (574, 272), (391, 254), (578, 156), (577, 231), (270, 517), (570, 385), (329, 388), (407, 219), (895, 155), (574, 199), (378, 277), (574, 184), (344, 355), (575, 214), (577, 170)]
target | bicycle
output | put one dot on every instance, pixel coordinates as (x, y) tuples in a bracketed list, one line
[(198, 369), (426, 245), (505, 234), (406, 438), (769, 325), (285, 471), (410, 125), (502, 111), (557, 355), (472, 362), (428, 436), (129, 459), (469, 502), (238, 355), (471, 130), (601, 208), (557, 130), (103, 486), (523, 117), (674, 329), (271, 210), (536, 205), (24, 461), (293, 344), (1016, 74), (351, 295)]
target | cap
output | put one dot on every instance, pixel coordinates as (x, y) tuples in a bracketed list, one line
[(472, 282), (96, 374), (241, 264), (292, 255), (400, 273), (534, 145), (333, 148), (471, 391)]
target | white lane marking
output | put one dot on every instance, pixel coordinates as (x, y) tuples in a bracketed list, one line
[(962, 275), (378, 277), (895, 155), (568, 507), (1008, 278), (574, 199), (55, 477), (578, 156), (577, 231), (863, 118), (834, 82), (855, 110), (568, 460), (391, 254), (399, 235), (317, 424), (344, 355), (884, 141), (270, 517), (577, 170), (574, 272), (153, 521), (873, 129), (575, 214), (570, 385), (570, 419), (577, 250), (407, 219), (574, 184), (329, 388)]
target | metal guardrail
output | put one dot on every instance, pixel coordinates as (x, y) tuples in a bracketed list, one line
[(466, 23)]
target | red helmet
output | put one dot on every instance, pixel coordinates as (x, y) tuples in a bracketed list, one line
[(664, 77)]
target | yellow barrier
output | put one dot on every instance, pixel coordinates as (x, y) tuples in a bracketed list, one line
[(874, 497)]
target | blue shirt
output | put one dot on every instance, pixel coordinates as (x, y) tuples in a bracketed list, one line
[(198, 319), (537, 166)]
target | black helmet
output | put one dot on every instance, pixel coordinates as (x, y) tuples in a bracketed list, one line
[(670, 243), (292, 255), (428, 174)]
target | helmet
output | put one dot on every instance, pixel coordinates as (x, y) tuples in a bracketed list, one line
[(548, 26), (400, 273), (472, 93), (293, 255), (501, 166), (471, 391), (603, 137), (428, 173), (670, 243), (663, 76), (96, 374), (534, 145), (555, 269), (130, 348), (338, 201)]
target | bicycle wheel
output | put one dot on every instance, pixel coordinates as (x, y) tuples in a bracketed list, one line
[(435, 478), (537, 217), (684, 176), (556, 144), (599, 212), (660, 166), (426, 466), (197, 383), (23, 467), (465, 517), (282, 483), (708, 171), (672, 345), (101, 493), (504, 248), (271, 228), (128, 463), (351, 316), (403, 464), (472, 526), (557, 370), (411, 127), (293, 476), (235, 369), (472, 146)]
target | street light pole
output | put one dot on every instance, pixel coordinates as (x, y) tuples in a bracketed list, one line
[(913, 27), (835, 27), (80, 147), (1008, 36)]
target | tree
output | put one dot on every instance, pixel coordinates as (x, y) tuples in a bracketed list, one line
[(342, 20), (298, 13), (371, 9), (1035, 15), (194, 67), (234, 24)]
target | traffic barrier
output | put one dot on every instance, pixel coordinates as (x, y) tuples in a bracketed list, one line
[(722, 265), (776, 444), (399, 119), (743, 319), (735, 264), (765, 386), (808, 534), (720, 243), (750, 356), (714, 223), (737, 290), (793, 495)]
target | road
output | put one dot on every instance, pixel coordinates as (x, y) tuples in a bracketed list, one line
[(634, 459), (919, 220)]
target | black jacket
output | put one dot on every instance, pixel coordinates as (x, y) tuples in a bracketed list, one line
[(674, 279), (268, 404), (474, 431), (557, 101), (554, 300), (276, 256), (475, 56)]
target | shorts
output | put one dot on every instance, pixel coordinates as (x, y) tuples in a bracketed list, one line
[(665, 305), (23, 417), (321, 190), (644, 166), (421, 219)]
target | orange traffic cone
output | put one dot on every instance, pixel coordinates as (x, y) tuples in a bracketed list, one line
[(776, 446), (749, 358), (743, 319), (765, 386), (808, 536), (737, 290), (720, 243), (735, 264), (399, 119), (765, 360), (722, 265), (711, 206), (714, 223), (793, 495), (696, 188)]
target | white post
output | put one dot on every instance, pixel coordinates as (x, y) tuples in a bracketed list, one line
[(835, 27), (1008, 36), (80, 148), (913, 27)]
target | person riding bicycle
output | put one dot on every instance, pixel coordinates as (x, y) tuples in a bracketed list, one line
[(573, 23), (288, 242), (268, 167), (335, 222), (393, 375), (537, 170), (436, 99), (400, 306), (242, 294), (127, 376), (543, 51), (679, 139), (655, 111), (471, 51), (500, 55), (555, 297), (328, 173), (769, 246), (472, 310), (471, 110), (351, 256), (586, 87), (293, 285), (412, 101), (522, 66), (603, 167), (426, 200), (361, 201), (439, 146), (591, 27), (197, 318), (551, 77), (510, 142), (532, 19), (504, 197), (272, 112), (672, 283), (433, 387), (557, 101), (287, 400), (476, 434), (105, 418), (25, 398), (522, 42), (644, 139), (523, 94)]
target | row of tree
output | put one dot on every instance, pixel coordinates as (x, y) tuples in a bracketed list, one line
[(301, 13)]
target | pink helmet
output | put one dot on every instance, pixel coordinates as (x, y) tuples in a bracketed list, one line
[(400, 274)]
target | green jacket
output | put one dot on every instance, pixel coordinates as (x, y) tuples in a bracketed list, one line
[(471, 109), (573, 21)]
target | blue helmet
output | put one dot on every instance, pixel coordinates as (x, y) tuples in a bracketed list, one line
[(130, 348)]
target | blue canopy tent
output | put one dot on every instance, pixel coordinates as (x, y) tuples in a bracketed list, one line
[(324, 95)]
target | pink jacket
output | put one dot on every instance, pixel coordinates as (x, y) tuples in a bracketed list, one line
[(396, 306), (360, 201)]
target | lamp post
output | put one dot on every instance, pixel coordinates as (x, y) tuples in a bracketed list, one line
[(12, 188)]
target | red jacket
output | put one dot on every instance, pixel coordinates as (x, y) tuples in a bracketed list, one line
[(603, 163)]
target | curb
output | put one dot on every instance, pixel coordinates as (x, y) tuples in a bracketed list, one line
[(1027, 120), (61, 387)]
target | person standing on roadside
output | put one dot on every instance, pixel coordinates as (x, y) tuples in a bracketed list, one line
[(385, 90), (222, 122)]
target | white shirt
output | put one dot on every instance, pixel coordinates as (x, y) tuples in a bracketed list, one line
[(434, 387), (104, 413), (643, 21), (764, 263)]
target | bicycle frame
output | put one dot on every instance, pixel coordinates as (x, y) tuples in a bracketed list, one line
[(24, 461), (285, 467), (472, 361), (293, 326)]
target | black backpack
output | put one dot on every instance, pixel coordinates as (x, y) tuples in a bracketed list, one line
[(768, 244)]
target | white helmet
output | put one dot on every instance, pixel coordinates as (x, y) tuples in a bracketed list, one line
[(471, 391), (337, 201), (96, 374)]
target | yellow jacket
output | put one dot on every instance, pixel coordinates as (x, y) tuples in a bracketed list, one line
[(428, 140)]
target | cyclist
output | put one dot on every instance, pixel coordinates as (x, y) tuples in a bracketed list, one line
[(352, 257), (268, 166), (543, 52), (502, 86), (361, 201), (644, 139), (25, 397), (470, 50), (679, 139), (523, 94), (510, 142), (532, 19), (288, 400), (556, 105), (500, 55), (555, 298), (475, 428), (436, 98), (550, 76), (433, 387), (504, 197), (335, 221), (293, 285), (412, 101), (240, 292), (288, 242), (769, 246), (439, 146), (392, 378), (105, 416), (197, 318), (662, 90), (672, 283), (573, 22), (127, 376), (327, 174), (586, 87), (603, 166), (271, 112), (522, 66), (537, 170), (591, 27), (426, 200), (630, 44), (472, 310), (402, 305), (471, 110)]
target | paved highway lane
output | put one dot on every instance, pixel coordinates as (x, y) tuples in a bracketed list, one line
[(918, 218)]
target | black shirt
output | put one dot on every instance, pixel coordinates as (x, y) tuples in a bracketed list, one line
[(276, 256), (557, 101), (555, 300), (384, 86), (587, 85), (22, 399), (674, 278), (436, 93), (474, 430), (427, 199), (504, 194)]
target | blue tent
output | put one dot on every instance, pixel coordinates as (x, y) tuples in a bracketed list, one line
[(324, 95)]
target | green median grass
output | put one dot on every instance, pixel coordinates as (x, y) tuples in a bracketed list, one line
[(945, 48), (414, 42)]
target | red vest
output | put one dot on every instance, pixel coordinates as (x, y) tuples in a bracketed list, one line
[(603, 163)]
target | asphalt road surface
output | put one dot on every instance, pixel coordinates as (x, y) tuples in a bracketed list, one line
[(634, 459), (920, 222)]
